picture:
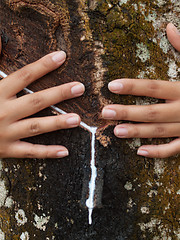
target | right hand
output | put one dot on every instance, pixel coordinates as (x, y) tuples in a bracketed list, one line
[(14, 127), (154, 121)]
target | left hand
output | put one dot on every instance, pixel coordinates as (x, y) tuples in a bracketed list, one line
[(158, 120)]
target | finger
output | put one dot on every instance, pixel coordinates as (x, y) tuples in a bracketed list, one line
[(35, 126), (173, 35), (28, 150), (160, 151), (32, 103), (144, 87), (18, 80), (167, 112), (154, 130)]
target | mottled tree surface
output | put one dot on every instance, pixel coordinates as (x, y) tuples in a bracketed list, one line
[(104, 40)]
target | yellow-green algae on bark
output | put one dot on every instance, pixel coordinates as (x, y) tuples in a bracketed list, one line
[(136, 46), (39, 199)]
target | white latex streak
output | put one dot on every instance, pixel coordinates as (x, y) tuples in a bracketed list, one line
[(92, 183), (92, 130)]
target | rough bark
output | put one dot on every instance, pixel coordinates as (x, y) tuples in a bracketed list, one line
[(136, 197)]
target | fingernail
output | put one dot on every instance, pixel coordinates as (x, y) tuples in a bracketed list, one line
[(108, 113), (73, 121), (78, 89), (62, 153), (174, 28), (59, 56), (121, 132), (115, 86), (142, 152)]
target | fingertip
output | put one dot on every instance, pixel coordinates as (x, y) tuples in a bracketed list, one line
[(108, 113), (173, 36), (171, 27), (73, 120), (115, 86), (62, 153), (78, 89), (121, 131), (58, 57), (142, 152)]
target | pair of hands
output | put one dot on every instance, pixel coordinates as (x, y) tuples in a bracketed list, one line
[(158, 120)]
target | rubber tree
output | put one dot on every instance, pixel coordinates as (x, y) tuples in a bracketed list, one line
[(135, 197)]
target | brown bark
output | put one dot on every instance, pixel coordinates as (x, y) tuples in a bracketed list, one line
[(136, 197)]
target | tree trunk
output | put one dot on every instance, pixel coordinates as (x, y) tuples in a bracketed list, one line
[(135, 197)]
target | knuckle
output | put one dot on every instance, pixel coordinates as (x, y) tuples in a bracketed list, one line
[(46, 62), (134, 132), (46, 154), (130, 87), (58, 123), (37, 101), (24, 74), (3, 116), (34, 128), (63, 92), (123, 114), (29, 154), (153, 86), (151, 114), (160, 131)]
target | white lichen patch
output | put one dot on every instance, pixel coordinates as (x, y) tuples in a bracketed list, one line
[(152, 17), (136, 142), (41, 222), (150, 225), (154, 224), (177, 233), (20, 217), (166, 208), (121, 2), (164, 44), (3, 193), (151, 193), (135, 6), (145, 210), (142, 52), (24, 236), (149, 183), (2, 235), (160, 3), (173, 70), (130, 204), (178, 192), (159, 166), (146, 74), (9, 202), (128, 186)]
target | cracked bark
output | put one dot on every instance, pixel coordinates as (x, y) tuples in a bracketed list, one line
[(139, 197)]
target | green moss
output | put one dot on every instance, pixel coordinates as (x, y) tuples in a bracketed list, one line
[(121, 28)]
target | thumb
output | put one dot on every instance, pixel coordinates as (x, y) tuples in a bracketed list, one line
[(173, 35)]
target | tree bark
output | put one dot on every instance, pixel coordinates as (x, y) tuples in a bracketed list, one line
[(135, 197)]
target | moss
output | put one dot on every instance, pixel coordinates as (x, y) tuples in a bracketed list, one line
[(121, 28)]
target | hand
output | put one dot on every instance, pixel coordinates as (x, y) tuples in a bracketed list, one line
[(158, 120), (12, 110)]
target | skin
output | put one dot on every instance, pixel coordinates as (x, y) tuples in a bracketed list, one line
[(13, 126), (157, 120)]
